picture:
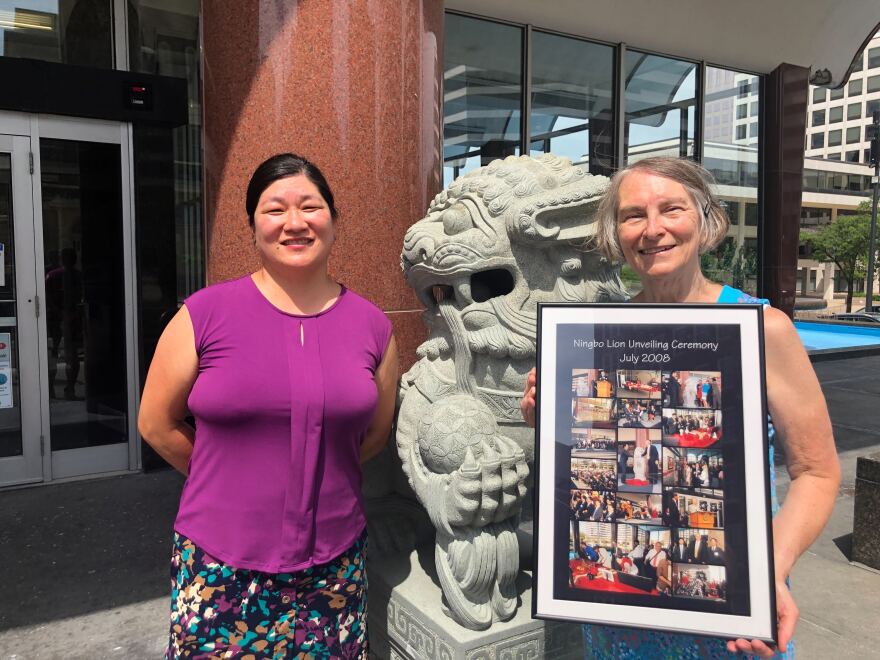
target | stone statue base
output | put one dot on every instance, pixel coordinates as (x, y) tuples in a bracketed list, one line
[(406, 618)]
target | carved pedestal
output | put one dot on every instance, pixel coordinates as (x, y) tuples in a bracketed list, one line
[(406, 619)]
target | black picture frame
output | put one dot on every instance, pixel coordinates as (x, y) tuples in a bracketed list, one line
[(694, 486)]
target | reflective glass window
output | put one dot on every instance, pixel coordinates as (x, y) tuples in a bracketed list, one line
[(852, 156), (871, 106), (730, 152), (854, 111), (733, 211), (853, 134), (85, 293), (835, 137), (855, 87), (859, 64), (873, 83), (873, 58), (835, 114), (837, 94), (834, 156), (818, 118), (482, 95), (817, 140), (742, 111), (66, 31), (572, 92), (660, 106), (11, 441), (164, 40), (754, 108), (818, 94)]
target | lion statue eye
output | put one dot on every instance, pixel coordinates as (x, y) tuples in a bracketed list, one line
[(456, 219)]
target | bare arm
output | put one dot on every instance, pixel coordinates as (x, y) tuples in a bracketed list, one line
[(386, 384), (163, 408), (800, 416)]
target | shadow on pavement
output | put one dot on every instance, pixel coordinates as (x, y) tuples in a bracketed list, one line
[(77, 548), (844, 544)]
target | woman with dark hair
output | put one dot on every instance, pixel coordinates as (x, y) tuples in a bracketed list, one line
[(660, 215), (291, 379)]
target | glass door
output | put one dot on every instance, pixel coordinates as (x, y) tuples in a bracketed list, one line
[(21, 440), (86, 278)]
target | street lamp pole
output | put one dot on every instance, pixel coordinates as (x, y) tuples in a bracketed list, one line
[(872, 245)]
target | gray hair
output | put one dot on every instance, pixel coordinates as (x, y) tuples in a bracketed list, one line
[(693, 177)]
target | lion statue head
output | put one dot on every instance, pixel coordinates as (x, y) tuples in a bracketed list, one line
[(496, 242)]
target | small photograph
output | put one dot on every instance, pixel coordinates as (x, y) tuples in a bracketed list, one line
[(639, 413), (639, 508), (620, 558), (594, 473), (693, 468), (698, 546), (594, 383), (692, 389), (593, 443), (700, 508), (639, 468), (686, 427), (638, 384), (699, 581), (593, 505), (598, 413)]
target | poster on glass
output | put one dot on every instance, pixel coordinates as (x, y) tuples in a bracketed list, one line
[(657, 415)]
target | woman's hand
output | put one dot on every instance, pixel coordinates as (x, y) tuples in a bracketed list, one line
[(527, 403), (787, 614)]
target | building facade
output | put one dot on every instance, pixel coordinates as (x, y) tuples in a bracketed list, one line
[(837, 172), (129, 130)]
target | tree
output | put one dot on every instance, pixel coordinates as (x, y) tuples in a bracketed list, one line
[(726, 263), (845, 242)]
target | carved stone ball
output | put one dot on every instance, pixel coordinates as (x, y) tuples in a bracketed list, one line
[(451, 425)]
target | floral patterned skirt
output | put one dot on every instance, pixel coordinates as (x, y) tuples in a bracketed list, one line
[(222, 612)]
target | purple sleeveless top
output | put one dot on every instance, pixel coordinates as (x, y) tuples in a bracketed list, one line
[(275, 478)]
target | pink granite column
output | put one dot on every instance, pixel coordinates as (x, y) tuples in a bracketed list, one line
[(354, 86)]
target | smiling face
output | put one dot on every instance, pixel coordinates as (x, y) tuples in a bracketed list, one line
[(658, 226), (293, 227)]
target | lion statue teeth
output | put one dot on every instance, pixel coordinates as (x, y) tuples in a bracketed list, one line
[(499, 240)]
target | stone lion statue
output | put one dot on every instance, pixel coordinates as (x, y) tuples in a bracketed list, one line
[(499, 240)]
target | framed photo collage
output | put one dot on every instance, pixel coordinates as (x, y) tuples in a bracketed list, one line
[(648, 451)]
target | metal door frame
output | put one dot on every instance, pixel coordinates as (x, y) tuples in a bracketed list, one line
[(26, 467), (107, 459)]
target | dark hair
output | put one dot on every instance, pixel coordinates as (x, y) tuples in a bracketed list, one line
[(281, 166)]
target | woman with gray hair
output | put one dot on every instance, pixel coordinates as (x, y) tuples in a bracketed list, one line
[(659, 215)]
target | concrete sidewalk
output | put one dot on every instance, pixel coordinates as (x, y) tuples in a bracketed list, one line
[(87, 562), (839, 602)]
